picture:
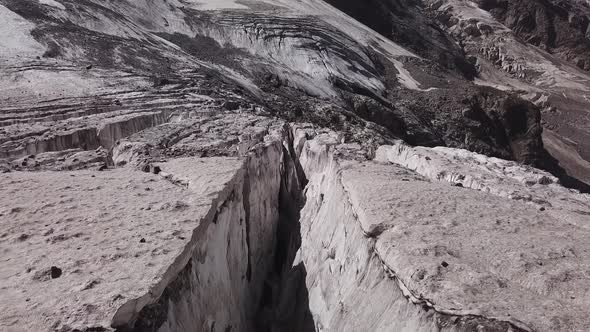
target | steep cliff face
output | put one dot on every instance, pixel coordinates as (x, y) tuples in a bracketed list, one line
[(221, 278)]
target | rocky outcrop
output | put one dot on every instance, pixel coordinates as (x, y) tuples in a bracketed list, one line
[(559, 27), (504, 38)]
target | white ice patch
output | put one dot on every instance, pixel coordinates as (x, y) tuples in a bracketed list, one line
[(53, 3), (15, 37), (216, 4)]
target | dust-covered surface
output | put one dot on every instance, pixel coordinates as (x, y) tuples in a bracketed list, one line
[(212, 165), (471, 253), (374, 246), (498, 177), (76, 246)]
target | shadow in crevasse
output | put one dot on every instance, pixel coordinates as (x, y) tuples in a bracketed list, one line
[(285, 301), (551, 164)]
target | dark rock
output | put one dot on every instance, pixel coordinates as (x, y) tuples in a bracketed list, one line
[(55, 272), (231, 105), (155, 169)]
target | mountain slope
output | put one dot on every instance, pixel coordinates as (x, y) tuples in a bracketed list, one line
[(301, 60), (536, 49)]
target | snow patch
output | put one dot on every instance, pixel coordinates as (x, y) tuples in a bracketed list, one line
[(15, 37), (53, 3)]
